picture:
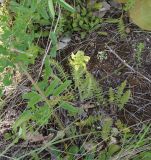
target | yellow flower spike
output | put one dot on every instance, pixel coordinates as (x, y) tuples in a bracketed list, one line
[(79, 60)]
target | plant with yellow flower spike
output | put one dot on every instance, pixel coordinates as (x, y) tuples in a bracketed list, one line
[(79, 60), (84, 81)]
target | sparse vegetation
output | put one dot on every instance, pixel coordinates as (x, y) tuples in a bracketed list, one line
[(75, 102), (138, 54)]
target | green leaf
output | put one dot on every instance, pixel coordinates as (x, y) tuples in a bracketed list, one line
[(51, 8), (34, 100), (7, 79), (22, 131), (62, 88), (22, 58), (30, 95), (48, 69), (90, 156), (33, 97), (54, 44), (43, 12), (42, 84), (53, 51), (51, 87), (102, 155), (53, 38), (120, 90), (106, 129), (73, 149), (111, 95), (66, 5), (124, 99), (25, 117), (1, 91), (42, 115), (98, 6), (113, 148), (69, 107)]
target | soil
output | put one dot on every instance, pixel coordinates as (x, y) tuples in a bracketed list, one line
[(112, 72), (109, 72)]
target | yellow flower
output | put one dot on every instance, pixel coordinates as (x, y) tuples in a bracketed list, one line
[(79, 60)]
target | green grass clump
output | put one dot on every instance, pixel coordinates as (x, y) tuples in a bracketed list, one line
[(82, 21)]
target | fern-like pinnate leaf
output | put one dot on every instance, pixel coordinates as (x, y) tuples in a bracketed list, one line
[(120, 98), (106, 128), (88, 121), (84, 81), (56, 67), (111, 95), (120, 90), (121, 28), (124, 99)]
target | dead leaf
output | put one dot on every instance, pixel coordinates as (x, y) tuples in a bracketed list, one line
[(103, 10), (89, 146), (87, 106), (63, 42), (38, 138)]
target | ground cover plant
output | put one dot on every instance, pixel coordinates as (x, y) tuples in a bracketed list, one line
[(75, 80)]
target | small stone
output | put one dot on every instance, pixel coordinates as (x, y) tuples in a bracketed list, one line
[(127, 30)]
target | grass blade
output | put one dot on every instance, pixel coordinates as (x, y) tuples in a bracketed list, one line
[(51, 8), (66, 6)]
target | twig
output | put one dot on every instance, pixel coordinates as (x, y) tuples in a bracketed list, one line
[(49, 45), (127, 65)]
